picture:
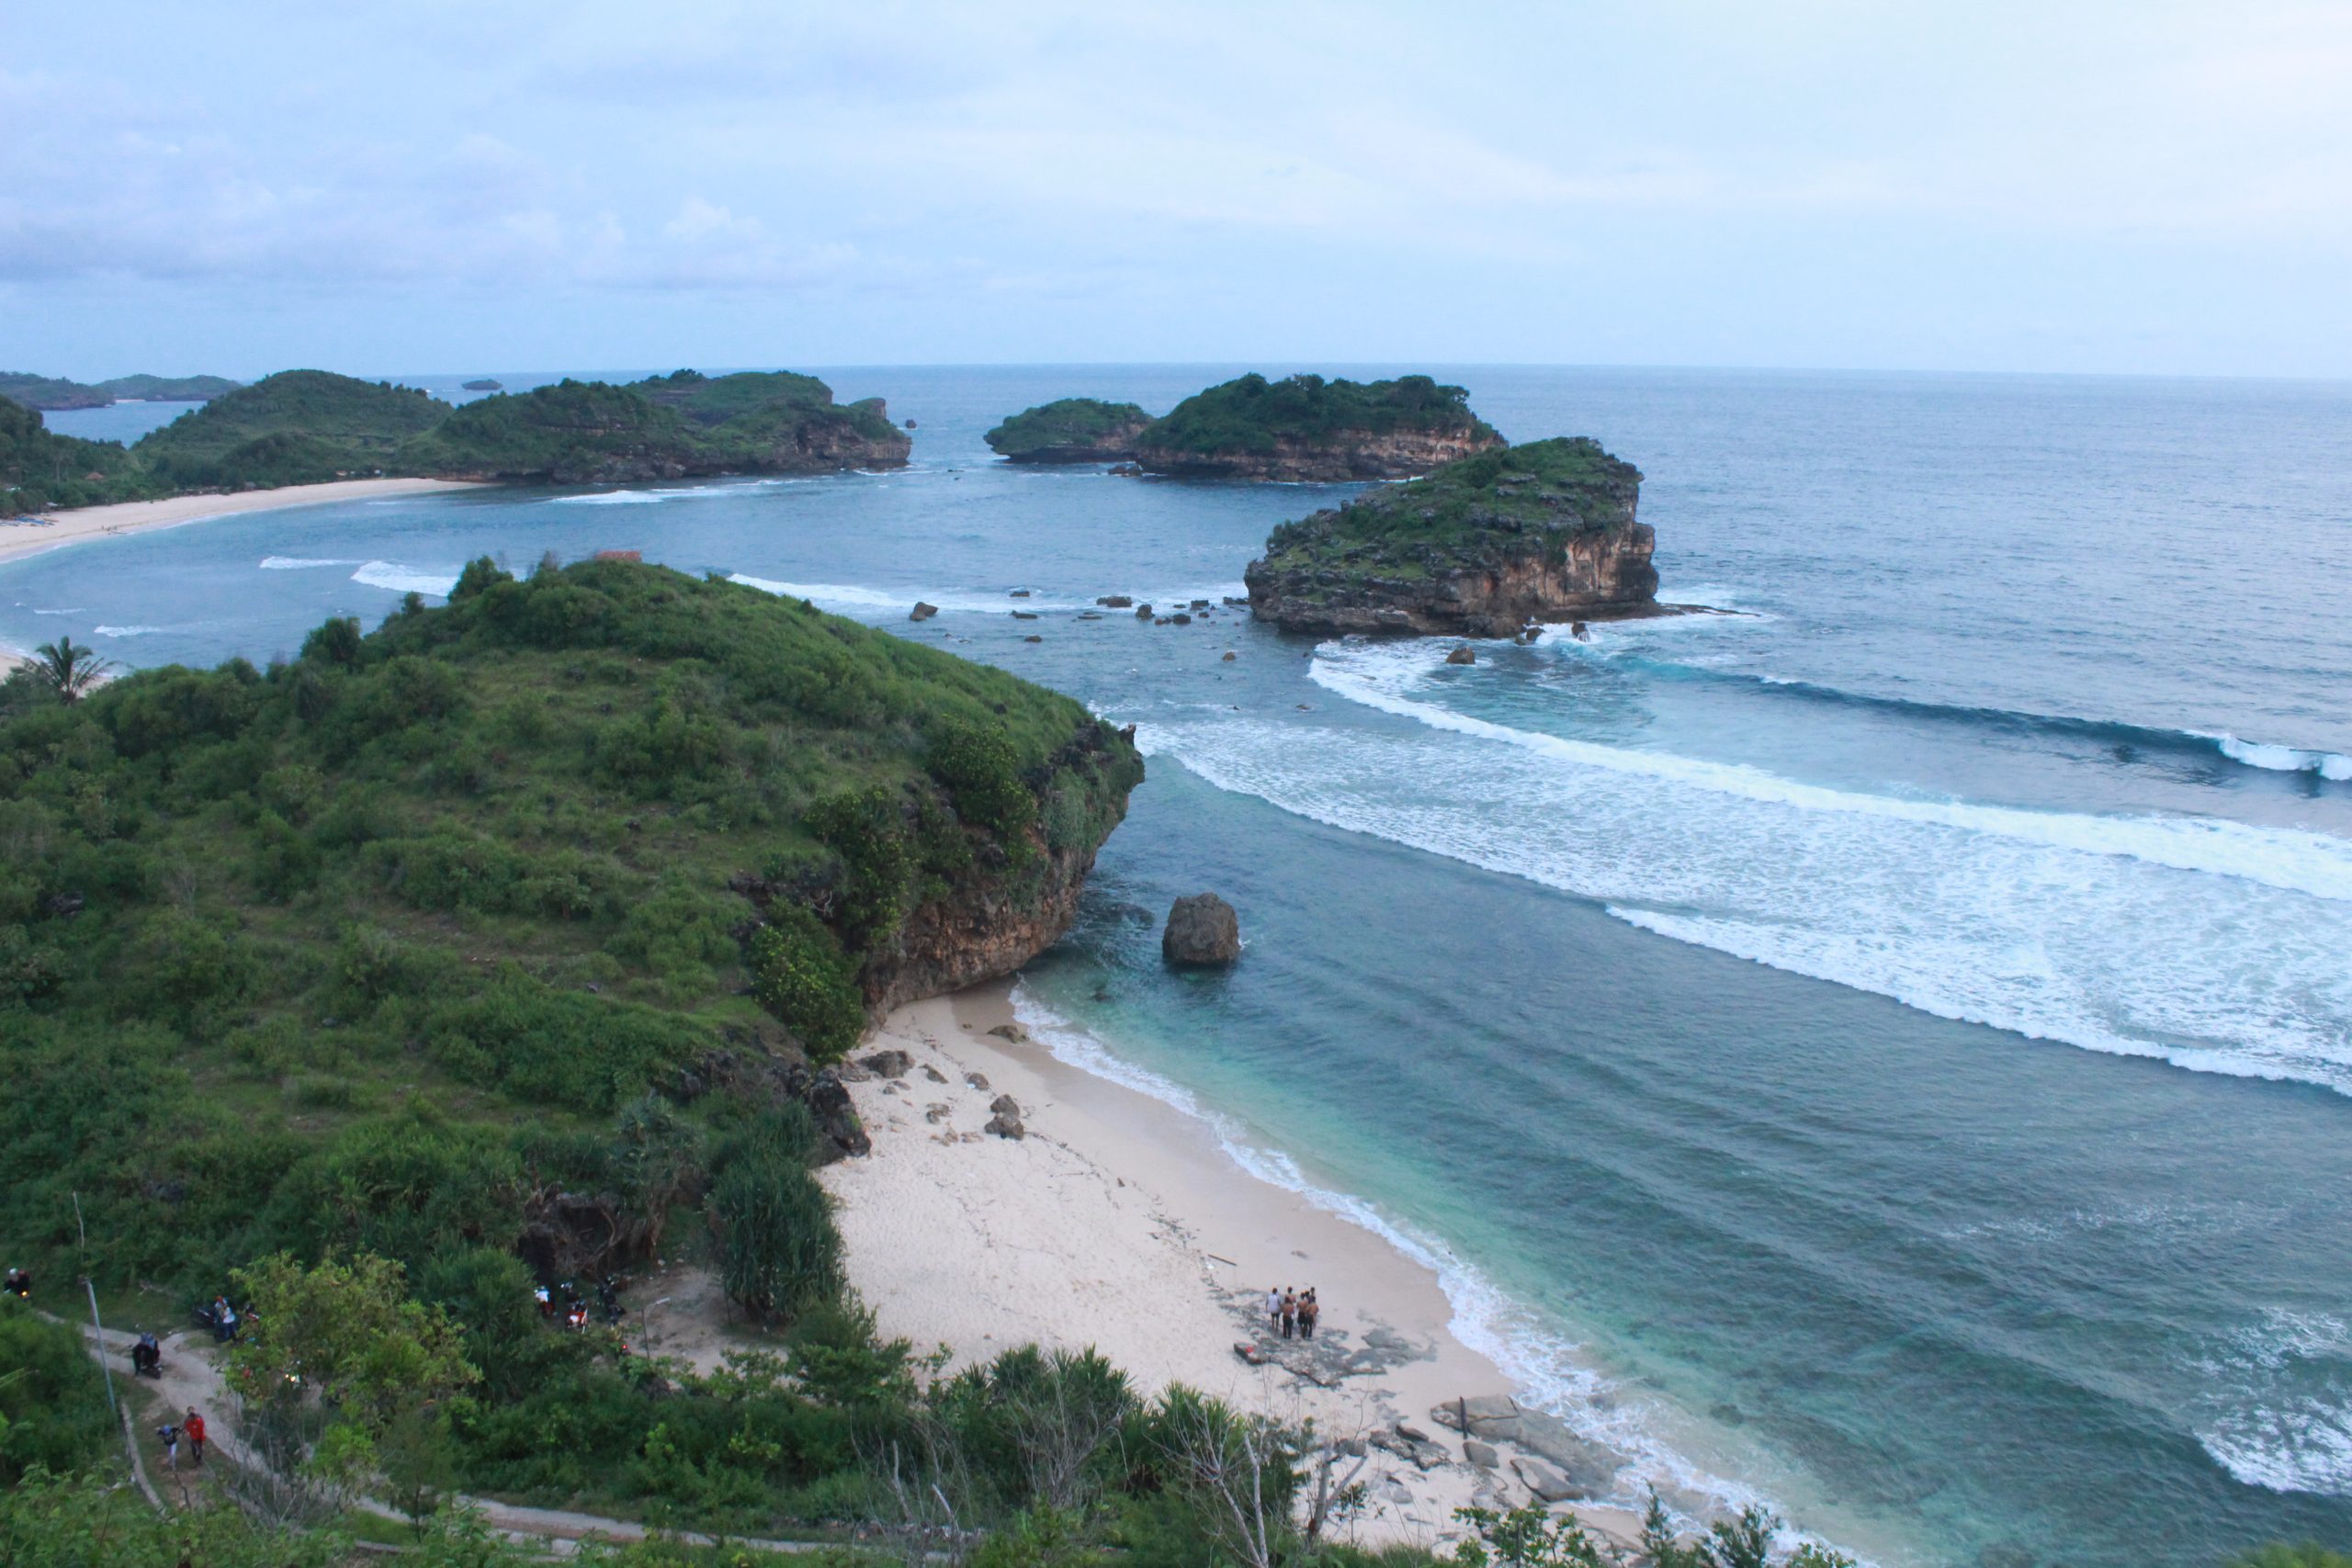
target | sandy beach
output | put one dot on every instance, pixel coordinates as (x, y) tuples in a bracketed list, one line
[(1118, 1222), (54, 529)]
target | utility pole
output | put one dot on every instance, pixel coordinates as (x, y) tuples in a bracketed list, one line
[(99, 1336)]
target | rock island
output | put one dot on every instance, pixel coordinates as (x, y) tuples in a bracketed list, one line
[(1544, 531)]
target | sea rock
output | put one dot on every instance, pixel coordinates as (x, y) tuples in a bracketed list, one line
[(1072, 430), (1228, 656), (888, 1064), (1481, 548), (922, 612), (1115, 602), (1202, 931), (1143, 612), (1006, 1121), (1198, 604), (1024, 615), (1018, 593), (1033, 637), (1463, 654), (1182, 617)]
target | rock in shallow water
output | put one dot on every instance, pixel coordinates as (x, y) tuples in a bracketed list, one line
[(1202, 931)]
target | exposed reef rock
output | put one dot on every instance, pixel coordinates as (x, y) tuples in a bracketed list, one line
[(1202, 932), (1306, 428), (1072, 430), (1541, 532)]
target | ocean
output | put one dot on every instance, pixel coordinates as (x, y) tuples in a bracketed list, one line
[(1885, 1049)]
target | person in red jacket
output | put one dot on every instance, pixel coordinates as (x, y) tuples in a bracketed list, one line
[(195, 1431)]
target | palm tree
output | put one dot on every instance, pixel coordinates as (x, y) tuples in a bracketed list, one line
[(71, 671)]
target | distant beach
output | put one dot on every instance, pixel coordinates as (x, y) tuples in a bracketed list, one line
[(53, 529)]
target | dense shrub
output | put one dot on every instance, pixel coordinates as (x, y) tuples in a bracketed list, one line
[(800, 974)]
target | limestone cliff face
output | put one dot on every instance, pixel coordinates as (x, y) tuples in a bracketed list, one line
[(1543, 532), (1004, 913), (829, 442), (1337, 457)]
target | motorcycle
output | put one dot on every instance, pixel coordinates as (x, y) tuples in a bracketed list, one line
[(221, 1320), (147, 1359)]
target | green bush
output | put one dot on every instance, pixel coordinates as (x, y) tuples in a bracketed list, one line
[(53, 1410), (780, 1254), (801, 974)]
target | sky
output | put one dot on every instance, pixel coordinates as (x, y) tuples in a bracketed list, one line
[(2138, 186)]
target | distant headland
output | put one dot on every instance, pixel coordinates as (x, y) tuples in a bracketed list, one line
[(54, 392), (314, 427)]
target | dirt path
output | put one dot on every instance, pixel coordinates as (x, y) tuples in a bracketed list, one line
[(191, 1379)]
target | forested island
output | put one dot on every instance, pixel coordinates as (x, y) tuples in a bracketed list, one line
[(312, 426), (1304, 427), (1071, 430), (55, 392), (1482, 546)]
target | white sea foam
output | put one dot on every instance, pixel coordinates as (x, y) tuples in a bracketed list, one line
[(127, 631), (300, 563), (2286, 759), (2215, 946), (75, 611), (2309, 863), (398, 579), (1541, 1361), (611, 498), (2267, 1422)]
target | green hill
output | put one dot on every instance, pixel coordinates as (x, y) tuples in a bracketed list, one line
[(168, 389), (1071, 430), (522, 860), (296, 427), (672, 426), (50, 391), (40, 468), (1304, 427)]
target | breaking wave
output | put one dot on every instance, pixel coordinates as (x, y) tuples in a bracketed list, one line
[(395, 577), (2212, 944)]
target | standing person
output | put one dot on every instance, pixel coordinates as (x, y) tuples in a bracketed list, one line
[(194, 1428), (170, 1436), (1308, 1311), (1274, 1309), (1290, 1311)]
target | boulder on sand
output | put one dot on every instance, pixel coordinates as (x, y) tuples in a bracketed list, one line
[(888, 1064), (1006, 1122), (1202, 931)]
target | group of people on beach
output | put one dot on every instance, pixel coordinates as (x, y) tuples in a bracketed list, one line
[(1290, 1311)]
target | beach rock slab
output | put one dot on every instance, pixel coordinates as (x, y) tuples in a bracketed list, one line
[(1547, 1485), (1202, 932), (1483, 1455)]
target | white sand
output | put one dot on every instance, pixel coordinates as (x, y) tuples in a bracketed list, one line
[(1119, 1222), (71, 527)]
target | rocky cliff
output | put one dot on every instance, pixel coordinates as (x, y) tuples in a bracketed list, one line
[(1333, 456), (1541, 532), (1306, 428), (1009, 909)]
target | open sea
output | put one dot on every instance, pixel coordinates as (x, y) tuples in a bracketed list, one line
[(1887, 1051)]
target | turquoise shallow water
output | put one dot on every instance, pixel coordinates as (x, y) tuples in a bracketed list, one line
[(1888, 1049)]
